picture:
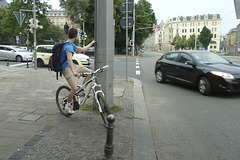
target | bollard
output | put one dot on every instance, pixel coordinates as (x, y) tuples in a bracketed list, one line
[(108, 147), (8, 62), (27, 64)]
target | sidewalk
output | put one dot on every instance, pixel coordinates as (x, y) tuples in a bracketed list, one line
[(31, 127)]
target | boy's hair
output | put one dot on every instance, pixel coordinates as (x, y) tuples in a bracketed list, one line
[(72, 33)]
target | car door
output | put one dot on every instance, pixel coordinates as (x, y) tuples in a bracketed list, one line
[(10, 53), (184, 71), (170, 63), (2, 52)]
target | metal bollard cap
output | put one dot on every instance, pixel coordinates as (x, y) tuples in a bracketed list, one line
[(111, 118)]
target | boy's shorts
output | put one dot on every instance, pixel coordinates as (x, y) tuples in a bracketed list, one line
[(71, 79)]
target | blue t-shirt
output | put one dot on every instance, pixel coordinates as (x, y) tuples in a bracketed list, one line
[(68, 47)]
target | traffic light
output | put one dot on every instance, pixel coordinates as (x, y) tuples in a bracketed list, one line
[(131, 43), (37, 25), (83, 35), (31, 25)]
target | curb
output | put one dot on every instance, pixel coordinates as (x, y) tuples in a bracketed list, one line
[(143, 147)]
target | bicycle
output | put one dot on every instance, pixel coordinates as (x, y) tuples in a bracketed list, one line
[(80, 98)]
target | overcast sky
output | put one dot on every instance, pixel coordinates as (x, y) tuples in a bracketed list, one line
[(173, 8)]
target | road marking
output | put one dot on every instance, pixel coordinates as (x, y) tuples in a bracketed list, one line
[(138, 72), (21, 64), (137, 67)]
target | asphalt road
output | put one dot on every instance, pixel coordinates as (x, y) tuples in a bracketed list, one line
[(186, 125)]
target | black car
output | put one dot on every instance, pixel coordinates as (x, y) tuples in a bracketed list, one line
[(205, 70)]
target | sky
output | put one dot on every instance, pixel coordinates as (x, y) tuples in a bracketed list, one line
[(174, 8)]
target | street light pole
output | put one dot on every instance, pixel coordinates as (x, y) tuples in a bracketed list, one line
[(35, 37)]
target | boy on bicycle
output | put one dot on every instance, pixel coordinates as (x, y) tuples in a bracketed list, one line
[(71, 71)]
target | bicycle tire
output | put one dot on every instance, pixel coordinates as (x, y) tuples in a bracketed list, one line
[(104, 107), (61, 98)]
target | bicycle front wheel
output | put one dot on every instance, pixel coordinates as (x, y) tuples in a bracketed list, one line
[(61, 99), (104, 107)]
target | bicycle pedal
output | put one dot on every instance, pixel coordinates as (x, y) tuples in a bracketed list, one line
[(75, 106)]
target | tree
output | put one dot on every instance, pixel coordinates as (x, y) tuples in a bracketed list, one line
[(205, 37), (81, 11), (9, 27), (191, 41), (144, 18)]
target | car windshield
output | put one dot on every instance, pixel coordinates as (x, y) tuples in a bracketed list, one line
[(208, 58), (20, 49)]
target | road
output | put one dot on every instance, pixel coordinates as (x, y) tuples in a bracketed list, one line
[(186, 125)]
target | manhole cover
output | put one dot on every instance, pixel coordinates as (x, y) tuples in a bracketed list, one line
[(30, 117)]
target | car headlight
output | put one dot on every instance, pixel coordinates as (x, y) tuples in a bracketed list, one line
[(223, 75)]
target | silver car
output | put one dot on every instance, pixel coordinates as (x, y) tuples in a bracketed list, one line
[(15, 53)]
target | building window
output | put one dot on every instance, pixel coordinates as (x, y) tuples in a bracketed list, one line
[(215, 47), (61, 19), (215, 29), (185, 30), (216, 23), (198, 29), (57, 19), (215, 36), (190, 30), (198, 23), (193, 30), (190, 24), (182, 30)]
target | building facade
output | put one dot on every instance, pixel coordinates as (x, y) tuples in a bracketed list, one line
[(231, 41), (58, 18), (155, 41), (189, 25)]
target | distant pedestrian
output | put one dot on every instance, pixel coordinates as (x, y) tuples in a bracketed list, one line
[(71, 72), (66, 28)]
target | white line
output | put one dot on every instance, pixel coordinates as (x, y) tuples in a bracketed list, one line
[(138, 72), (137, 66), (137, 63), (20, 64)]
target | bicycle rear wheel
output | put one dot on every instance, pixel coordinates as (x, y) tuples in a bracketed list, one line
[(61, 99), (105, 110)]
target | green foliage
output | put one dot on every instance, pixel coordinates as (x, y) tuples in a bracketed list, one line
[(205, 37), (191, 41), (9, 27), (179, 42), (145, 17)]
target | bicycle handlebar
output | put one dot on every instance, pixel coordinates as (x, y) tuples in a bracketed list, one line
[(99, 70)]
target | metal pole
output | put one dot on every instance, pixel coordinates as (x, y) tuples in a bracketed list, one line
[(35, 38), (133, 33), (196, 37), (126, 40), (104, 48)]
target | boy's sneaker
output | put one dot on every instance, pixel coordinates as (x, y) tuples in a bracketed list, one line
[(69, 110)]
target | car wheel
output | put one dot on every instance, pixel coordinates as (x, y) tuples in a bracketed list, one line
[(75, 62), (160, 76), (19, 59), (40, 63), (204, 86)]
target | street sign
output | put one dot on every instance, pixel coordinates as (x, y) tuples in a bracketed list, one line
[(123, 23), (123, 7), (17, 39), (19, 17)]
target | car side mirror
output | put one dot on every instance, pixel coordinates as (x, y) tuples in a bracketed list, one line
[(189, 63), (12, 51)]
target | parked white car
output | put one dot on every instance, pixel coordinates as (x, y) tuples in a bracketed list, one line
[(45, 51), (15, 53)]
